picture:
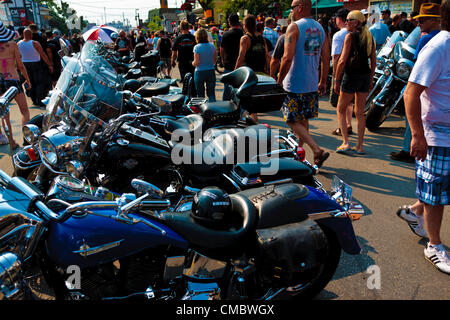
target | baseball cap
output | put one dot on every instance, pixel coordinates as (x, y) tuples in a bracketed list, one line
[(342, 13)]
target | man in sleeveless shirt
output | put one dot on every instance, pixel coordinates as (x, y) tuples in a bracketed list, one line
[(305, 44), (32, 53)]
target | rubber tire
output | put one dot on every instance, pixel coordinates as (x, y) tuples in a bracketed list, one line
[(374, 117)]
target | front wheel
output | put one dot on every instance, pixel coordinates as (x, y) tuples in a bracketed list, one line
[(374, 117)]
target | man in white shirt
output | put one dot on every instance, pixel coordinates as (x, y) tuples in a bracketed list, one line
[(427, 97), (336, 48)]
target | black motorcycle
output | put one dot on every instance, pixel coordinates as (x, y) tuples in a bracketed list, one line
[(394, 70)]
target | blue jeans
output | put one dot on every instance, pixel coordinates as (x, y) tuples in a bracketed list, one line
[(226, 89), (208, 77), (407, 137)]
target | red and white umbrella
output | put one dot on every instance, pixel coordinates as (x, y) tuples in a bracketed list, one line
[(102, 33)]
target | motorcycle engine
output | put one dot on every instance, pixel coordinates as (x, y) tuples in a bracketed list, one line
[(129, 277)]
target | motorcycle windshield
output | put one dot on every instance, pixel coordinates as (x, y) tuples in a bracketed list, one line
[(406, 49), (101, 87), (391, 42)]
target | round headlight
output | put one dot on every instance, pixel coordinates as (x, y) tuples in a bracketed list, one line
[(403, 68), (48, 151), (31, 133), (403, 71)]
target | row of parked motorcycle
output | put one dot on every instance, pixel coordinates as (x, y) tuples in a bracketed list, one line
[(154, 194), (395, 61)]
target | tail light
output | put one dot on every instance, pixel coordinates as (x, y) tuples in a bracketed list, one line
[(265, 124), (195, 109), (301, 154), (32, 154)]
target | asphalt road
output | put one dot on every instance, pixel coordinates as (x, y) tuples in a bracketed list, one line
[(381, 185)]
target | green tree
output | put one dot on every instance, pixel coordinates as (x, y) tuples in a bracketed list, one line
[(155, 23), (255, 6)]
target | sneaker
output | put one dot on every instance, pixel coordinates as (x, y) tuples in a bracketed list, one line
[(403, 156), (3, 140), (438, 256), (415, 222)]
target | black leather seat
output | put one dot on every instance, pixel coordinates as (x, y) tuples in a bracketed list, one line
[(221, 112), (212, 157), (174, 99), (218, 244), (144, 80), (133, 74), (186, 126), (242, 78), (134, 65), (153, 89)]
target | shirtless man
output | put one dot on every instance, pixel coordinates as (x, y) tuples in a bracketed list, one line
[(10, 61)]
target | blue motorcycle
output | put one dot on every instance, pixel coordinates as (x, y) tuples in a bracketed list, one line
[(264, 243)]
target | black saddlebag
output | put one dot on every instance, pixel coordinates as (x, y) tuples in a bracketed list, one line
[(290, 254), (265, 96)]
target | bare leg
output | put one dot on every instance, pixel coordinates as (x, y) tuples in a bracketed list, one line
[(349, 115), (12, 142), (433, 220), (254, 117), (418, 208), (360, 102), (301, 130), (23, 106), (342, 107)]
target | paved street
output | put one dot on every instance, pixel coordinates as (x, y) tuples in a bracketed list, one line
[(381, 185)]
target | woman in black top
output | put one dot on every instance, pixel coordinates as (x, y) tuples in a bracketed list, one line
[(253, 51), (164, 46), (359, 46)]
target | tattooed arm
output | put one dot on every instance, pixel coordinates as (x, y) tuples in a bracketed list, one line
[(290, 44)]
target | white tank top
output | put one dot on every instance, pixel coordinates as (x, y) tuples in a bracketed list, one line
[(28, 52)]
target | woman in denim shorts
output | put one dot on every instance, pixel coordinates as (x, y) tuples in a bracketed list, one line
[(359, 46)]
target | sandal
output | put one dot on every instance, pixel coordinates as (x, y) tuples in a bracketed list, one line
[(342, 149), (321, 159), (337, 132), (358, 152)]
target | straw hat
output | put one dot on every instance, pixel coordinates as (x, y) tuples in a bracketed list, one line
[(429, 10)]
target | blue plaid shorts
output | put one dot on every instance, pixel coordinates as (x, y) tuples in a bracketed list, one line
[(300, 106), (433, 177)]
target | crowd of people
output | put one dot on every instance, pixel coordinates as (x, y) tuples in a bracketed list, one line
[(298, 56)]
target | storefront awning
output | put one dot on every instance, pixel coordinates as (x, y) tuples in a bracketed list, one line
[(321, 4)]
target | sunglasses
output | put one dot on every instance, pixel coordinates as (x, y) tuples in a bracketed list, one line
[(351, 20), (423, 20), (293, 7)]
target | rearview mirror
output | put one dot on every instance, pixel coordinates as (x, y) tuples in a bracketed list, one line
[(146, 187)]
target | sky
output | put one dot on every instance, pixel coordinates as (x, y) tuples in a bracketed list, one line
[(116, 10)]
